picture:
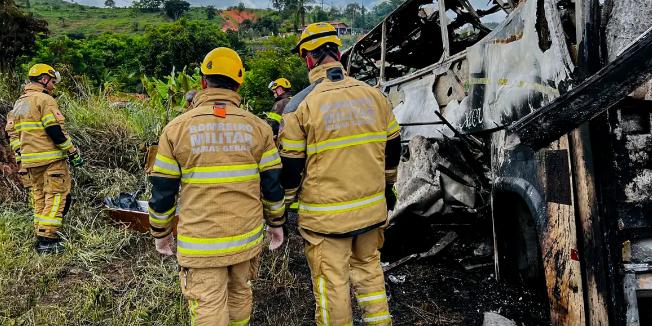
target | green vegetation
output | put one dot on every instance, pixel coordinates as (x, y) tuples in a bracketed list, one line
[(111, 275), (118, 46), (74, 20)]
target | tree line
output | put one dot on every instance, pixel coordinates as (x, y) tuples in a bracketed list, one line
[(122, 59)]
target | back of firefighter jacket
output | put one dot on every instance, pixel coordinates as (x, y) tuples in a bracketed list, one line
[(33, 113), (226, 161), (341, 128)]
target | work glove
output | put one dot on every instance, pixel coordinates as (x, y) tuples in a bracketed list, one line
[(75, 159), (276, 235), (390, 196), (165, 245)]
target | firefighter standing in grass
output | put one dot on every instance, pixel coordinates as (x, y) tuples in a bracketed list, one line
[(342, 136), (280, 88), (222, 163), (35, 128)]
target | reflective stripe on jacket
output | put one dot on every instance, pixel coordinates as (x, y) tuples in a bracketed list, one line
[(33, 112), (222, 164), (341, 127)]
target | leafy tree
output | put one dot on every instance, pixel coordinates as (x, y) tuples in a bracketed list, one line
[(102, 58), (18, 32), (210, 12), (183, 43), (352, 12), (273, 61), (296, 8), (109, 3), (175, 8), (268, 24), (317, 14), (381, 10), (147, 5)]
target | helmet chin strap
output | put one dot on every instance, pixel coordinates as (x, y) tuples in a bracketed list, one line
[(310, 60), (42, 83), (45, 85)]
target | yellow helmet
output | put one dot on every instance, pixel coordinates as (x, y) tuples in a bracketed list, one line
[(316, 35), (281, 82), (43, 69), (225, 62)]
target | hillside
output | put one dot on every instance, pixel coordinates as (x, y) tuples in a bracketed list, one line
[(70, 18), (228, 3)]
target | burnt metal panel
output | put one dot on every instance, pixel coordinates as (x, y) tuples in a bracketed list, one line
[(595, 95), (558, 180)]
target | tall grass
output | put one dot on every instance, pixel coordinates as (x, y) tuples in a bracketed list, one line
[(111, 275)]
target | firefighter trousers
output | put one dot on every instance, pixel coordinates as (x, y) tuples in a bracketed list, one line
[(51, 185), (335, 265), (219, 296)]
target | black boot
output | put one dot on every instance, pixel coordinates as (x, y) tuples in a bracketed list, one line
[(49, 246)]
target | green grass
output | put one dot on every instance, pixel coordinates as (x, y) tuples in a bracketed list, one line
[(111, 275), (68, 18)]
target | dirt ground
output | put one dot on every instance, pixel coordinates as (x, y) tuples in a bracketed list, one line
[(436, 291)]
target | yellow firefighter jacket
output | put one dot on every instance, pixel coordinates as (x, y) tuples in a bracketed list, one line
[(341, 128), (228, 167), (33, 112)]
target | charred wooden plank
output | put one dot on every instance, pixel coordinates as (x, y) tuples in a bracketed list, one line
[(595, 95), (558, 242)]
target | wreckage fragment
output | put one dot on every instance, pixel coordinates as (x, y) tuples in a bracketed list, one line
[(436, 177)]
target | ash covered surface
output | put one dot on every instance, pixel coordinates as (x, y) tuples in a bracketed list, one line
[(436, 290)]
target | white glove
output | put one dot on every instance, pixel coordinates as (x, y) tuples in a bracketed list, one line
[(276, 235), (165, 246)]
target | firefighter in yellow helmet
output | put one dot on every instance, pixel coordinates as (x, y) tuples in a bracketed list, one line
[(280, 88), (223, 165), (36, 131), (340, 146)]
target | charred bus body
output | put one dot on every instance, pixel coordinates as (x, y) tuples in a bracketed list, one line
[(516, 82)]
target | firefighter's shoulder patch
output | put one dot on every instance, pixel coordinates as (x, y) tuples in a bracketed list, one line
[(57, 115)]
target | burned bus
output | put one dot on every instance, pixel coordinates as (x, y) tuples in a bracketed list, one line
[(550, 103)]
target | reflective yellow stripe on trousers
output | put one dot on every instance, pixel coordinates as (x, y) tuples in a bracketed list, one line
[(378, 318), (323, 300), (348, 141), (51, 218), (373, 297), (243, 322), (42, 156), (220, 174), (342, 206), (218, 246)]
